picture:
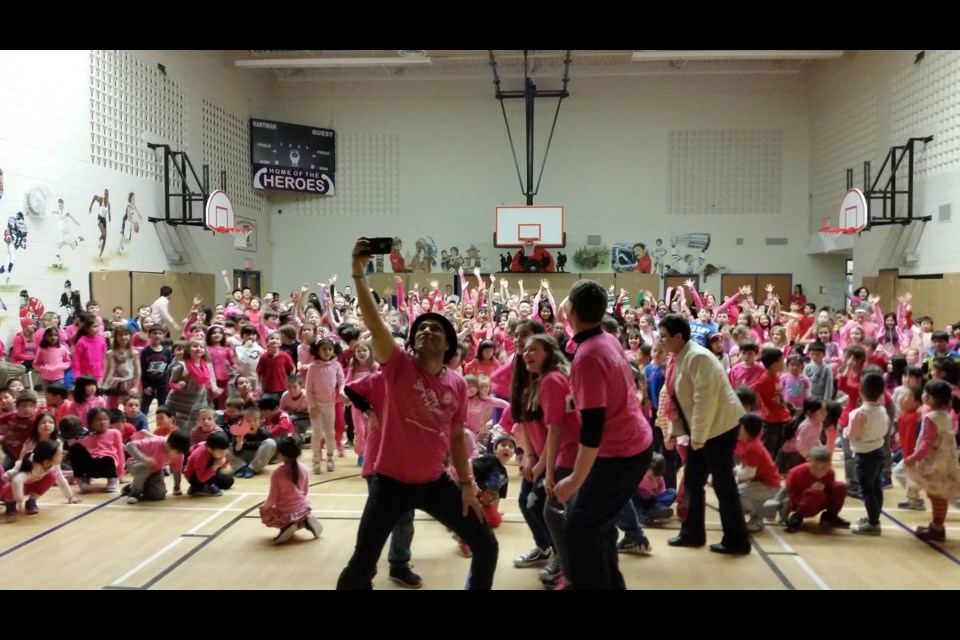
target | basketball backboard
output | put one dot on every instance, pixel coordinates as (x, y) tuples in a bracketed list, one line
[(853, 213), (541, 225)]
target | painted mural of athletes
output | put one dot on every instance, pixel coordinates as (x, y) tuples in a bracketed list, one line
[(630, 256), (687, 253), (64, 235), (14, 237), (103, 216), (129, 225)]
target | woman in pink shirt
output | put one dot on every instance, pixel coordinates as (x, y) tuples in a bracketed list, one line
[(24, 346), (286, 506)]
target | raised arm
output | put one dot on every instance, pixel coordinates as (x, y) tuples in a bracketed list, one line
[(382, 340), (401, 302), (692, 286), (465, 297)]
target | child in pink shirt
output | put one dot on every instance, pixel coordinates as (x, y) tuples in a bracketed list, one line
[(204, 464), (224, 360), (653, 499), (53, 358), (294, 402), (796, 386), (480, 408), (361, 365), (150, 454), (323, 387), (89, 351), (286, 506), (746, 372), (100, 454), (806, 428)]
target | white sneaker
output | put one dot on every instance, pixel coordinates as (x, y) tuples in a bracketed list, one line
[(286, 533), (536, 557), (314, 526), (317, 468), (112, 485), (755, 526)]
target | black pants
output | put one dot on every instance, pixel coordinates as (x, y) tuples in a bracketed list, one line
[(869, 475), (220, 479), (671, 458), (389, 499), (86, 466), (348, 420), (592, 523), (158, 393), (715, 458), (772, 437)]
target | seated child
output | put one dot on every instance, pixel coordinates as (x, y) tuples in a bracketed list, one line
[(99, 454), (150, 455), (32, 477), (251, 452), (286, 506), (131, 409), (653, 499), (756, 474), (491, 477), (204, 464), (811, 489), (118, 422), (206, 425), (165, 424)]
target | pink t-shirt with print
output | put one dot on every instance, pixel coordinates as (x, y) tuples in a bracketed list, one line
[(601, 377), (557, 404), (418, 411)]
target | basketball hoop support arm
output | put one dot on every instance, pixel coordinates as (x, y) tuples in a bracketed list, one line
[(529, 94)]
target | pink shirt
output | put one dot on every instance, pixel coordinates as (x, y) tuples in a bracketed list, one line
[(220, 357), (501, 378), (480, 409), (108, 444), (743, 376), (284, 494), (304, 357), (324, 382), (651, 486), (52, 362), (23, 349), (807, 437), (373, 389), (81, 409), (294, 405), (601, 378), (88, 356), (795, 388), (557, 404), (198, 464), (419, 409), (153, 447)]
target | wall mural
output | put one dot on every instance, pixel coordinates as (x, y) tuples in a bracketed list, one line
[(591, 258)]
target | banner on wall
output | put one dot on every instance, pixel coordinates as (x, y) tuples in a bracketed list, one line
[(293, 157)]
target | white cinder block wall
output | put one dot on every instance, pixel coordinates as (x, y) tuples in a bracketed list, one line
[(46, 129), (441, 147), (861, 105)]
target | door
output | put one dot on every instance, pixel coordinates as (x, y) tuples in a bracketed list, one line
[(243, 278)]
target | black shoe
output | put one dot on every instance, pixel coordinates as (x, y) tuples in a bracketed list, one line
[(794, 521), (834, 521), (732, 551), (680, 541), (406, 578), (854, 494)]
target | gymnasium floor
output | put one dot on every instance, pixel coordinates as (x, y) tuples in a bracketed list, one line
[(196, 543)]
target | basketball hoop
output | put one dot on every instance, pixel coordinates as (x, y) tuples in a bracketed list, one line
[(240, 234), (831, 235), (529, 246)]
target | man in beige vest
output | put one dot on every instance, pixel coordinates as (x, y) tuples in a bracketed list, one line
[(699, 402)]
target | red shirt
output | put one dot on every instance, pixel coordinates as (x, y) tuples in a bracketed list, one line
[(908, 425), (280, 425), (804, 325), (753, 454), (879, 359), (769, 391), (274, 371), (800, 479), (601, 378), (479, 367), (644, 265), (850, 385), (418, 410)]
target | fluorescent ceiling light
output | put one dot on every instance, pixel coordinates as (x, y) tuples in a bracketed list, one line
[(302, 63), (662, 55)]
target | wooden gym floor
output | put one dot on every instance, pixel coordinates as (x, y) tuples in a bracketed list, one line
[(197, 543)]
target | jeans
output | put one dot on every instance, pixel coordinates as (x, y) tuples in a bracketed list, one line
[(714, 458), (256, 460), (591, 523), (629, 521), (401, 538), (532, 498), (869, 468), (389, 499)]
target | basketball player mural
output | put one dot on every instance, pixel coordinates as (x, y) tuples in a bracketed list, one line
[(129, 225), (103, 216), (65, 236)]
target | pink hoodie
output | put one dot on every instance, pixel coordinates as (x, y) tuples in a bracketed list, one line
[(324, 382)]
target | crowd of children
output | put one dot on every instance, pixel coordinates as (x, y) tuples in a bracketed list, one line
[(251, 381)]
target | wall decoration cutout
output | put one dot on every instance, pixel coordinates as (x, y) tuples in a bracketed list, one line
[(591, 258), (687, 253), (423, 259), (541, 261), (630, 256)]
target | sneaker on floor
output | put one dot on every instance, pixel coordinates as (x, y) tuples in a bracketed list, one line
[(112, 485), (929, 532), (317, 468), (863, 520), (348, 444), (660, 514), (887, 483), (340, 452), (286, 533), (548, 575), (854, 493), (84, 485), (834, 521), (127, 488), (866, 529), (793, 522), (133, 499), (405, 577), (913, 504), (313, 526), (330, 466), (561, 584), (11, 508), (32, 508), (536, 557), (465, 550), (207, 490), (640, 547), (755, 526), (359, 461)]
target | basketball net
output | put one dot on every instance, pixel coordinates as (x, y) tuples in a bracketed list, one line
[(237, 232), (529, 246), (829, 240)]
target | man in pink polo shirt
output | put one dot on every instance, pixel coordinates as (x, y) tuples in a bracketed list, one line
[(615, 441), (424, 410)]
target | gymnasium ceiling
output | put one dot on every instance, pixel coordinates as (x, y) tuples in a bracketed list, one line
[(419, 64)]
